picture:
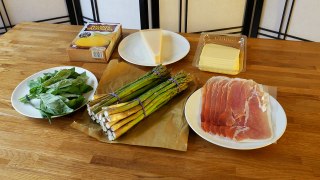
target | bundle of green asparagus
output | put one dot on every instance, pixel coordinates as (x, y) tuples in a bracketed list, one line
[(116, 120), (128, 92)]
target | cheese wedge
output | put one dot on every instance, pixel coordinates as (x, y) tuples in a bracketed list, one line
[(220, 59), (153, 41)]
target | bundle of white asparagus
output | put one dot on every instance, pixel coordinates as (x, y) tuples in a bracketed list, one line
[(128, 92)]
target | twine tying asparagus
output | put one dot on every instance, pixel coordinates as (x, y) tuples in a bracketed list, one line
[(175, 81), (156, 71), (141, 104), (116, 96)]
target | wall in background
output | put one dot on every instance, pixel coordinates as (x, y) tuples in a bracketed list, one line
[(51, 11), (55, 11), (202, 15), (125, 11), (302, 23), (169, 14), (33, 10), (214, 14), (2, 29)]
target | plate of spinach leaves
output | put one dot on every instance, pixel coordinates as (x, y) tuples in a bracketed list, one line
[(54, 92)]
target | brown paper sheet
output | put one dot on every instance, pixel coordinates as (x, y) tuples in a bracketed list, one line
[(271, 90), (165, 128)]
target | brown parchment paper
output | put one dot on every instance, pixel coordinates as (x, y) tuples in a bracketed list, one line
[(271, 90), (165, 128)]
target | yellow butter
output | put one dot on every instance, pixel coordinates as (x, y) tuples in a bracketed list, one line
[(220, 59), (153, 41)]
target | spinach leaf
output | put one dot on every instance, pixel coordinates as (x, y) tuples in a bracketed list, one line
[(75, 103), (70, 89), (69, 96), (53, 104), (48, 76), (74, 86), (61, 84), (74, 75), (63, 74), (81, 79), (36, 86), (35, 83), (84, 88)]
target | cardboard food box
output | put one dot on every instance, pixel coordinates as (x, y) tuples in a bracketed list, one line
[(95, 42)]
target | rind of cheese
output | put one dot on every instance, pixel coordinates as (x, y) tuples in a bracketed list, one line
[(153, 40), (220, 59)]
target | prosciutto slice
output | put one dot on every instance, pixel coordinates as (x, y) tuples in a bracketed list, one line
[(236, 108)]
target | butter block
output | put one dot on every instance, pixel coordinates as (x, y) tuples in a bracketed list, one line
[(153, 40), (220, 59)]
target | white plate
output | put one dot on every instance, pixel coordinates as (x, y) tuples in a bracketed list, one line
[(193, 116), (22, 89), (133, 49)]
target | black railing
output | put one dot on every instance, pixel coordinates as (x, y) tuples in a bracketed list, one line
[(250, 25)]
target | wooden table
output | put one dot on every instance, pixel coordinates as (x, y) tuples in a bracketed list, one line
[(32, 148)]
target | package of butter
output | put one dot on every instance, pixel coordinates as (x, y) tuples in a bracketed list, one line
[(95, 42), (225, 54)]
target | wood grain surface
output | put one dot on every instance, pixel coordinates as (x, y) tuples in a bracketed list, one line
[(34, 149)]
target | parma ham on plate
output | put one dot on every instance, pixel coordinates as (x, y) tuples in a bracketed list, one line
[(236, 108), (235, 113)]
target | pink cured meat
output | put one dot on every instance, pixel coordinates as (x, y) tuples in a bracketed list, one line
[(237, 109), (203, 118), (216, 105), (206, 102)]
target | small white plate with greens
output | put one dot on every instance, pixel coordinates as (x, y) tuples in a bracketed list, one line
[(54, 92)]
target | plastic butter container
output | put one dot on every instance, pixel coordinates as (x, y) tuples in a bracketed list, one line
[(221, 53)]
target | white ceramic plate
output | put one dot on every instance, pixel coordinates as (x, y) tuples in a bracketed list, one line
[(133, 49), (22, 89), (193, 116)]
